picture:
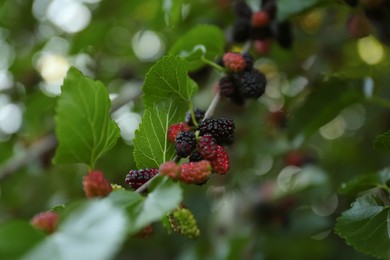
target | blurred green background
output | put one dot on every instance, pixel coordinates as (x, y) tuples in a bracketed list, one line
[(264, 208)]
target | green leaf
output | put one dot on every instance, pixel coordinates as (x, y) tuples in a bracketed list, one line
[(203, 40), (17, 237), (151, 146), (365, 182), (168, 79), (165, 197), (364, 227), (324, 104), (85, 130), (94, 230), (383, 141), (288, 8), (172, 9)]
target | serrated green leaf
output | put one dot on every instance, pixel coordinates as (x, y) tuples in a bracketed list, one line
[(365, 182), (12, 246), (324, 104), (364, 227), (165, 196), (151, 146), (93, 230), (203, 40), (84, 128), (168, 79), (288, 8)]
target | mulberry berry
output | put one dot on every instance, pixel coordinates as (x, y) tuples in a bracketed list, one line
[(46, 221), (195, 156), (136, 178), (207, 146), (182, 221), (199, 114), (260, 19), (242, 9), (185, 143), (175, 129), (241, 30), (195, 172), (170, 169), (251, 84), (96, 185), (234, 62), (226, 86), (221, 163), (222, 129)]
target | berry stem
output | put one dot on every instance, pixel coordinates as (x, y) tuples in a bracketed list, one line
[(213, 64), (193, 118)]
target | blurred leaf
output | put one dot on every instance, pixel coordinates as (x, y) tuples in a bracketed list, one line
[(172, 9), (324, 104), (383, 141), (364, 227), (365, 182), (151, 146), (288, 8), (17, 237), (207, 40), (94, 230), (85, 130), (165, 197), (168, 79)]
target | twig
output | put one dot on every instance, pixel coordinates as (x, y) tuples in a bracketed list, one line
[(49, 142), (213, 105), (32, 153)]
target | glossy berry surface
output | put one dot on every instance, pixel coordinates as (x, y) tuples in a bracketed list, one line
[(175, 129), (207, 146), (222, 129), (251, 84), (185, 143), (136, 178), (221, 163), (195, 172)]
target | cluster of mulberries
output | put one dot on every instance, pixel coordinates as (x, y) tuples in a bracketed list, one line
[(261, 26), (202, 142), (374, 18), (242, 81)]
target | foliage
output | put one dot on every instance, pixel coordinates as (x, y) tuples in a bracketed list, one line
[(309, 163)]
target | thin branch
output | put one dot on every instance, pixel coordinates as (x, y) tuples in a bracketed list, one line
[(49, 142), (213, 105)]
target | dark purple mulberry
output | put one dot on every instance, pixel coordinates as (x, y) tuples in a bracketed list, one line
[(136, 178), (251, 84), (241, 30), (185, 143), (226, 86), (196, 156), (222, 129)]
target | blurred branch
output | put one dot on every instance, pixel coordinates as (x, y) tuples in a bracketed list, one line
[(44, 145)]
